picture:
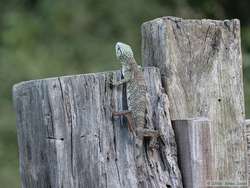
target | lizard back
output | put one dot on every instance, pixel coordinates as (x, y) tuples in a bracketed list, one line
[(136, 93)]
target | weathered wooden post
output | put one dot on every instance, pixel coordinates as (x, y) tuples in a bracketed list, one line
[(248, 148), (194, 138), (201, 70), (67, 138)]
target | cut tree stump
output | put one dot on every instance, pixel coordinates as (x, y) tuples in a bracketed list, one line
[(201, 70), (67, 137)]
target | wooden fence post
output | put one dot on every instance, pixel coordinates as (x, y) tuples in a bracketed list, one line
[(67, 138), (201, 69), (193, 137), (248, 148)]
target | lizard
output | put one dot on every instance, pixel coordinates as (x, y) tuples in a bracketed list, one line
[(136, 91)]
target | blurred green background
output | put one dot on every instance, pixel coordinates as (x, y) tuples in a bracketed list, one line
[(47, 38)]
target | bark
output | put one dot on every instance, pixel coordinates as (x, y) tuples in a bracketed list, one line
[(68, 138), (201, 70)]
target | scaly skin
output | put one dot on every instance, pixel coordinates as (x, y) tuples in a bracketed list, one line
[(136, 86), (136, 99)]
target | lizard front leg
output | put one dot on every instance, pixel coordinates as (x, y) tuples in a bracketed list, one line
[(122, 81), (128, 115)]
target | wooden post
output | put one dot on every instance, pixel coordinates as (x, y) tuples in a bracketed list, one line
[(248, 148), (201, 69), (67, 137), (193, 137)]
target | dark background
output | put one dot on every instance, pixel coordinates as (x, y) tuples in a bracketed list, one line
[(47, 38)]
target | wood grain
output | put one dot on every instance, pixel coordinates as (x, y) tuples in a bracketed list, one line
[(201, 70), (193, 137), (247, 122), (67, 137)]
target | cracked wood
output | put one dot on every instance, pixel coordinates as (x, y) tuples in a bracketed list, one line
[(201, 69), (67, 138)]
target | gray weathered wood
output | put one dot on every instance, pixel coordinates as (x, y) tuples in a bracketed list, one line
[(194, 144), (67, 138), (201, 69), (247, 123)]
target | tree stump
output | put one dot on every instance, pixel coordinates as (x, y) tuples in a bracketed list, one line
[(67, 137), (201, 70)]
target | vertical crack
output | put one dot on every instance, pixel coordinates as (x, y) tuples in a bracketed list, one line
[(71, 151), (51, 118), (67, 110), (60, 85), (190, 47), (121, 98), (106, 180), (99, 140), (205, 40), (118, 172), (114, 140), (207, 34)]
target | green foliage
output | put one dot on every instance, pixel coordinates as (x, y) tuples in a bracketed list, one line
[(46, 38)]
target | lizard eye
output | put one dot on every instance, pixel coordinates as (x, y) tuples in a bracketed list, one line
[(119, 50)]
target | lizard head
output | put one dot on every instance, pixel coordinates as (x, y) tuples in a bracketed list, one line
[(123, 52)]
